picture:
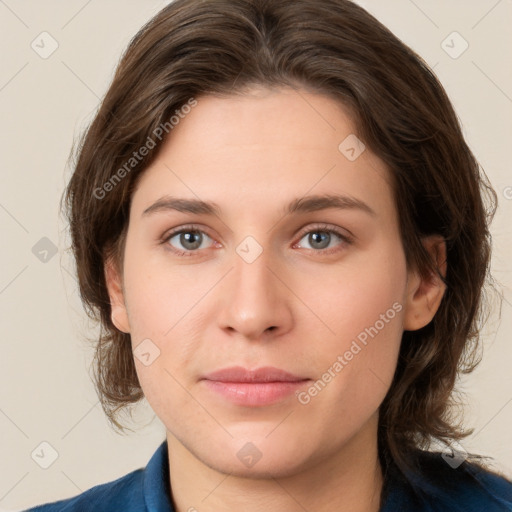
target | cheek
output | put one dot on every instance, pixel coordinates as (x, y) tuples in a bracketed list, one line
[(366, 292), (160, 295), (362, 306), (164, 307)]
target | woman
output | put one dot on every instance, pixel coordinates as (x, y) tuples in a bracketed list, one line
[(285, 236)]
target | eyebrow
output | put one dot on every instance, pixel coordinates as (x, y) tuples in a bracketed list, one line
[(306, 204)]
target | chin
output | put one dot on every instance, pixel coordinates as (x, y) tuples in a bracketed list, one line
[(262, 470), (258, 459)]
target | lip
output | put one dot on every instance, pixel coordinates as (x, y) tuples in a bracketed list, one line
[(259, 375), (262, 386)]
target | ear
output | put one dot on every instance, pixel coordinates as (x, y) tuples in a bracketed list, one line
[(117, 301), (424, 294)]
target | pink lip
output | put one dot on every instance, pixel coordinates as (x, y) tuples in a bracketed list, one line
[(262, 386), (263, 374)]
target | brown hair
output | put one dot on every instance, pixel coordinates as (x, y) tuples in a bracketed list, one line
[(402, 113)]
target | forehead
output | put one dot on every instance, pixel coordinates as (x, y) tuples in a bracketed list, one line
[(260, 116), (267, 146)]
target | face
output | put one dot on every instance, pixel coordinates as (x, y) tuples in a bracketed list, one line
[(317, 288)]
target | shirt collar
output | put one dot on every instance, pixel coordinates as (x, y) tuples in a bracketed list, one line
[(397, 495), (156, 483)]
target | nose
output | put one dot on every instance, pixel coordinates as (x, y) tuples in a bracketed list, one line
[(254, 300)]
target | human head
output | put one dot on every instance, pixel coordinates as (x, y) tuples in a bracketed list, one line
[(400, 112)]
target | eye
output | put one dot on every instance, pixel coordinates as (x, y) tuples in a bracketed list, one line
[(321, 239), (187, 241)]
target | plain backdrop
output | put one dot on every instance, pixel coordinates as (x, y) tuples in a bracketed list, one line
[(46, 393)]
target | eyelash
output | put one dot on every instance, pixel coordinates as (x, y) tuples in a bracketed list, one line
[(323, 228)]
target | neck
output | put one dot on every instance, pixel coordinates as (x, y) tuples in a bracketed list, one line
[(348, 480)]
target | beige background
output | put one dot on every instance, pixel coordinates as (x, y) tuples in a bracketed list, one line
[(46, 393)]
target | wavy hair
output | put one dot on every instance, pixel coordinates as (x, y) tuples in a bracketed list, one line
[(193, 48)]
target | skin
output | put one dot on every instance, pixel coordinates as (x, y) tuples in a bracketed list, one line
[(212, 309)]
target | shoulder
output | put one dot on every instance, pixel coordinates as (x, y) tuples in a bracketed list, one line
[(138, 491), (125, 494), (440, 484)]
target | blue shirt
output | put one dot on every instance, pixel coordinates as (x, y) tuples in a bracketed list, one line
[(439, 488)]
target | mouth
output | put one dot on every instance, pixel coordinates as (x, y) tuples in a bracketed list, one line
[(263, 386)]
